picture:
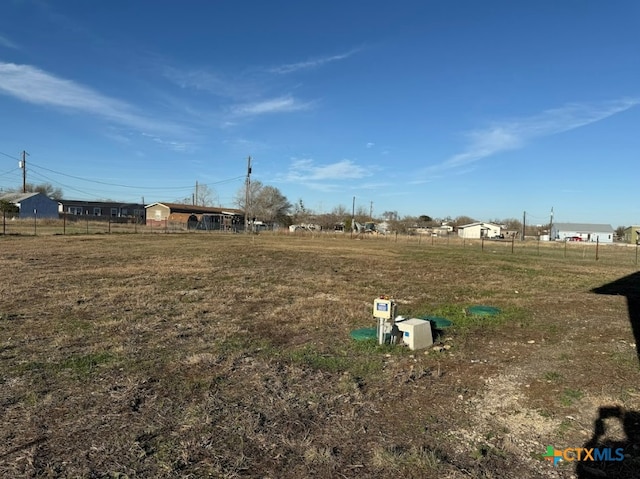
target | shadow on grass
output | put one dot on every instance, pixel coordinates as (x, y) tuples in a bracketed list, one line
[(613, 457), (628, 286), (627, 450)]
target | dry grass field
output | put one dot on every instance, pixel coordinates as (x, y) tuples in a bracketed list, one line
[(220, 355)]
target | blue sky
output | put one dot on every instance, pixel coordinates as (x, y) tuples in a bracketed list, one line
[(480, 108)]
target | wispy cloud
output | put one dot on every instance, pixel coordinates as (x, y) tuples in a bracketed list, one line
[(275, 105), (179, 146), (5, 42), (310, 64), (515, 134), (305, 170), (325, 178), (206, 81), (370, 145), (36, 86)]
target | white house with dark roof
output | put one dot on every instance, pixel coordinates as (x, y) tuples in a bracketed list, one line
[(600, 233)]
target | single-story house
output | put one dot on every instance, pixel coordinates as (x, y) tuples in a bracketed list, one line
[(479, 230), (195, 217), (631, 235), (32, 205), (442, 230), (103, 210), (601, 233)]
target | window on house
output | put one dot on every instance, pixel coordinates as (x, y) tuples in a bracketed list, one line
[(74, 210), (114, 211), (97, 212)]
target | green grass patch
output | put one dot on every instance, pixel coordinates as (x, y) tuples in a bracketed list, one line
[(552, 376), (545, 413), (318, 360), (625, 360), (360, 358), (80, 366), (84, 365), (464, 322), (569, 396), (564, 427)]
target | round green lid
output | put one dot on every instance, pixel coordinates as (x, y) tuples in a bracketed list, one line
[(363, 334)]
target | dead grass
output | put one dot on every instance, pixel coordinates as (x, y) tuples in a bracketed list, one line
[(213, 355)]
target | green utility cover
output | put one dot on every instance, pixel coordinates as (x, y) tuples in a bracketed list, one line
[(438, 322), (364, 333)]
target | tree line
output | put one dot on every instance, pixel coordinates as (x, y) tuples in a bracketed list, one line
[(269, 205)]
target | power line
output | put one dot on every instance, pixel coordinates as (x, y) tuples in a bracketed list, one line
[(94, 193), (227, 180), (104, 182), (9, 171), (66, 187), (9, 156), (38, 174)]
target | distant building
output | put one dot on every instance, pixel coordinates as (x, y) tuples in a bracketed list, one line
[(479, 230), (195, 217), (631, 235), (600, 233), (442, 230), (107, 210), (32, 205)]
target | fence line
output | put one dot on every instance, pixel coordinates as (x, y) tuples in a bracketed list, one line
[(583, 251)]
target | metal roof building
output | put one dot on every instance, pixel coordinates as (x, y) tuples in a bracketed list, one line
[(32, 205), (601, 233)]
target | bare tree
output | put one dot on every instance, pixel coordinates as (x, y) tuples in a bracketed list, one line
[(203, 195), (390, 215), (341, 212), (271, 205), (241, 195), (512, 224), (266, 203), (463, 220), (300, 213), (46, 189), (206, 196)]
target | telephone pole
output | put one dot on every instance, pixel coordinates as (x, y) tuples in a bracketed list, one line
[(247, 196), (353, 216), (551, 224), (23, 165), (524, 223)]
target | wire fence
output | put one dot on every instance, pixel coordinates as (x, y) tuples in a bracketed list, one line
[(576, 251), (615, 253)]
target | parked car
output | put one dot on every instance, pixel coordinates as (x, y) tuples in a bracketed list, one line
[(574, 238)]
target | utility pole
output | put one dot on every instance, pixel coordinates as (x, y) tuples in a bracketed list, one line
[(23, 165), (353, 216), (196, 197), (371, 210), (524, 223), (247, 196), (551, 224)]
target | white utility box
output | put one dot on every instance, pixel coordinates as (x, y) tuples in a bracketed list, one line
[(383, 308), (416, 333)]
